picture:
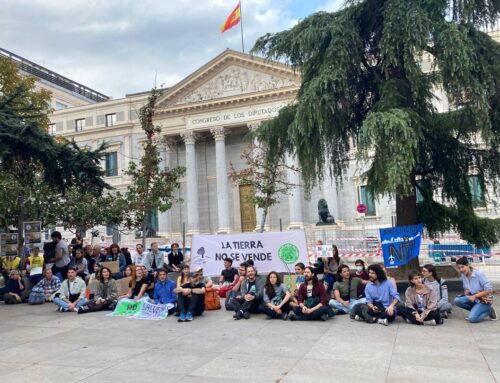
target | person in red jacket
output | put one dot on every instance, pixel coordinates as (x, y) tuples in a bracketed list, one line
[(312, 299)]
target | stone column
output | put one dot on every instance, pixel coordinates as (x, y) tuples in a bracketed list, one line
[(193, 211), (165, 218), (295, 196), (222, 180), (259, 213)]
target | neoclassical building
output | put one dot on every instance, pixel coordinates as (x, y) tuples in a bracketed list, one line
[(204, 120)]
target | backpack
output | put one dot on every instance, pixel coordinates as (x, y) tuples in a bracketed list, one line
[(212, 300)]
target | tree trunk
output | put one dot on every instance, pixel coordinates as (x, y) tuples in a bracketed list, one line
[(144, 228), (263, 221), (20, 226), (406, 214)]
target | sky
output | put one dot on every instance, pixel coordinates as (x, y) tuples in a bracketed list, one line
[(119, 47)]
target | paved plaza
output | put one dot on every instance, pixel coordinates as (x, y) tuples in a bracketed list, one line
[(41, 345)]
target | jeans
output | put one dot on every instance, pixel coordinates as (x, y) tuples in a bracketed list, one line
[(478, 311), (195, 304), (339, 306), (60, 303), (369, 315), (407, 313), (315, 315), (285, 309)]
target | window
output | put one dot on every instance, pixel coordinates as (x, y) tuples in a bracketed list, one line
[(111, 119), (477, 192), (52, 129), (366, 197), (60, 105), (111, 164), (79, 124)]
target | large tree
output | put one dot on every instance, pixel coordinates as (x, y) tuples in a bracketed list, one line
[(33, 162), (365, 88)]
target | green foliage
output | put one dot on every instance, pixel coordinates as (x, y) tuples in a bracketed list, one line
[(364, 88), (152, 188)]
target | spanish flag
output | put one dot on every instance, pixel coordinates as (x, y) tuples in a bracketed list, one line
[(233, 19)]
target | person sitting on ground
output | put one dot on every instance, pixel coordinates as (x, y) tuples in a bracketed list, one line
[(127, 255), (250, 296), (14, 287), (191, 298), (175, 258), (299, 279), (478, 293), (361, 273), (80, 264), (164, 290), (184, 277), (276, 298), (71, 295), (87, 252), (228, 278), (331, 267), (8, 264), (139, 256), (138, 285), (381, 299), (312, 298), (345, 291), (105, 296), (115, 255), (440, 288), (94, 258), (129, 271), (207, 281), (150, 279), (420, 303), (34, 266), (48, 286), (155, 259), (104, 253), (242, 271)]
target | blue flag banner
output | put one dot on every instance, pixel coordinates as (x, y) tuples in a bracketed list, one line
[(400, 244)]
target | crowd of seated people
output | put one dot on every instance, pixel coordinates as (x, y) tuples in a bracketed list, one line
[(79, 280)]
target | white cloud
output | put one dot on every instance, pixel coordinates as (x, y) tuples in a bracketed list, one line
[(117, 46)]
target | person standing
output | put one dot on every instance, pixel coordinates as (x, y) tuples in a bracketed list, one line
[(420, 303), (312, 299), (381, 299), (71, 295), (61, 257), (478, 293), (175, 258)]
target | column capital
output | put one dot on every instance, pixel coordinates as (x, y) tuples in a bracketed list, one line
[(170, 143), (219, 133), (189, 137), (253, 126)]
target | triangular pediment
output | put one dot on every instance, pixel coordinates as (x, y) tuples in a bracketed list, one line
[(231, 74)]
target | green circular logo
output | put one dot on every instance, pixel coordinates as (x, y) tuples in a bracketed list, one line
[(288, 253)]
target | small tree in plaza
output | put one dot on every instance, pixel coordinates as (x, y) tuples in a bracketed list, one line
[(365, 87), (268, 178), (152, 188), (33, 164)]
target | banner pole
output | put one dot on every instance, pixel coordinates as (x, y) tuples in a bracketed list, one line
[(241, 25)]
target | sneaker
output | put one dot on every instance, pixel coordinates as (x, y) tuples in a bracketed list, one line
[(384, 322), (189, 317), (324, 317), (493, 314), (431, 322), (358, 318), (238, 315), (467, 318), (284, 316), (408, 321), (246, 315), (182, 317), (444, 315), (293, 317)]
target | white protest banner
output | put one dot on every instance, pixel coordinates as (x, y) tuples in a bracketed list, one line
[(269, 251)]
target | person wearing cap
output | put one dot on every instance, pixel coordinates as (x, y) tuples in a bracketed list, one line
[(71, 295), (15, 288), (203, 279), (250, 296), (478, 293), (191, 298)]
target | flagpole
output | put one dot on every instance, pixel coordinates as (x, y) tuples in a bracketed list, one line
[(241, 25)]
